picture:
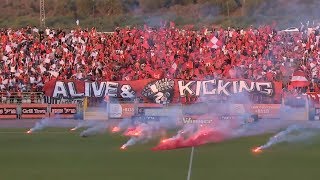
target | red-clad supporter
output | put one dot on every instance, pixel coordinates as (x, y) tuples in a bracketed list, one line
[(31, 57)]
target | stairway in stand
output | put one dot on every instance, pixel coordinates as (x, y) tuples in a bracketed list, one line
[(96, 113)]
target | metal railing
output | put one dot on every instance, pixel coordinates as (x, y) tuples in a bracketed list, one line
[(39, 97), (21, 97), (34, 97)]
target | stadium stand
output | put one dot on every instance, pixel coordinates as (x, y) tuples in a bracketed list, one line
[(31, 57)]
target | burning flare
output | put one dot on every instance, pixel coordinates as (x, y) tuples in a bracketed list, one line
[(136, 132), (29, 132), (115, 129), (123, 147), (257, 150), (164, 140)]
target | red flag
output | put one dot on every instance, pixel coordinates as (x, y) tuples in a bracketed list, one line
[(299, 79), (215, 43)]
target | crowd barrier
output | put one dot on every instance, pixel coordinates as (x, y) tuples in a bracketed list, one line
[(37, 98), (300, 110), (127, 110), (39, 111), (293, 108), (8, 111), (21, 97)]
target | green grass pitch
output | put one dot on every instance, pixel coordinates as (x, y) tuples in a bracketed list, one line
[(56, 154)]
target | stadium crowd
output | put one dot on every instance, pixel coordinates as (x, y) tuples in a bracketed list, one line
[(31, 57)]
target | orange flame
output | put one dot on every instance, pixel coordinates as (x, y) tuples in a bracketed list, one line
[(164, 140), (257, 150), (137, 133), (73, 129), (29, 132), (115, 129), (123, 147), (134, 132)]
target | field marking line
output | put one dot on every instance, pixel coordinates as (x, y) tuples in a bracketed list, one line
[(190, 163)]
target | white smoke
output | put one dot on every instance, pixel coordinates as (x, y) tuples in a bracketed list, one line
[(185, 132), (294, 133), (50, 122), (150, 130), (40, 125), (85, 124), (122, 125), (132, 141), (99, 127)]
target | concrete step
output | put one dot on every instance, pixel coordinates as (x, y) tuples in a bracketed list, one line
[(96, 109), (296, 114), (96, 114)]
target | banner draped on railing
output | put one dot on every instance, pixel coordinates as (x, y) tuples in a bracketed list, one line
[(165, 90), (8, 111), (39, 111)]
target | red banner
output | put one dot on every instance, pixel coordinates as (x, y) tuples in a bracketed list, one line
[(166, 91), (63, 111), (8, 111), (34, 111)]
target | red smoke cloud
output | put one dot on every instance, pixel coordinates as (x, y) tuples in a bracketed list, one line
[(203, 136)]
